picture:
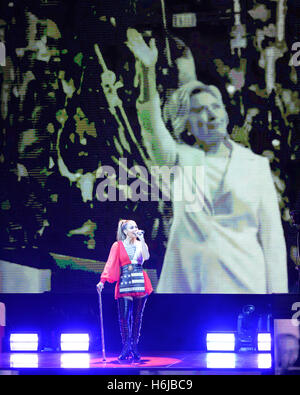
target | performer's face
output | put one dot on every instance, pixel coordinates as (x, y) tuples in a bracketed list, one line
[(208, 118), (288, 351), (131, 229)]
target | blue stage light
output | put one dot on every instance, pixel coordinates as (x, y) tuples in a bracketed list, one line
[(220, 341), (74, 342), (264, 342), (24, 341)]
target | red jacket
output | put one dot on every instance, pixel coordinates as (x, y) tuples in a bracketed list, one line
[(117, 258)]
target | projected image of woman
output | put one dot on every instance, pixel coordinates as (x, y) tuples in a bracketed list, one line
[(229, 239), (125, 266)]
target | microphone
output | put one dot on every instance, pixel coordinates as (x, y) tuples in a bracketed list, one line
[(140, 232)]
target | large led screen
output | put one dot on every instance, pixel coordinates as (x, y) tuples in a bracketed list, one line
[(179, 116)]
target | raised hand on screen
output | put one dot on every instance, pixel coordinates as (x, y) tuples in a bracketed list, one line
[(146, 54)]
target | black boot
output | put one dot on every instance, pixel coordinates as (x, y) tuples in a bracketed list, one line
[(137, 316), (125, 313)]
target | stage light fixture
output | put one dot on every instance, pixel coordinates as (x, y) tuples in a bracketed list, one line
[(220, 341), (74, 342), (24, 341), (264, 342)]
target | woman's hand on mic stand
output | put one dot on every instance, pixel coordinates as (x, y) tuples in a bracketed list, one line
[(100, 287)]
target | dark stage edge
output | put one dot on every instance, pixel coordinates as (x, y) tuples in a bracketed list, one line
[(161, 363)]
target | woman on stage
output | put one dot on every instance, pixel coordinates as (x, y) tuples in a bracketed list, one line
[(124, 265)]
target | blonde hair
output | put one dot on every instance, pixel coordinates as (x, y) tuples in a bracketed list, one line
[(121, 227), (177, 107)]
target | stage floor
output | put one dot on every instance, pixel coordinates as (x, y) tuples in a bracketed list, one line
[(150, 363)]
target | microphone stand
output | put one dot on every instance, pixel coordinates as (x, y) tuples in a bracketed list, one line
[(295, 216)]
